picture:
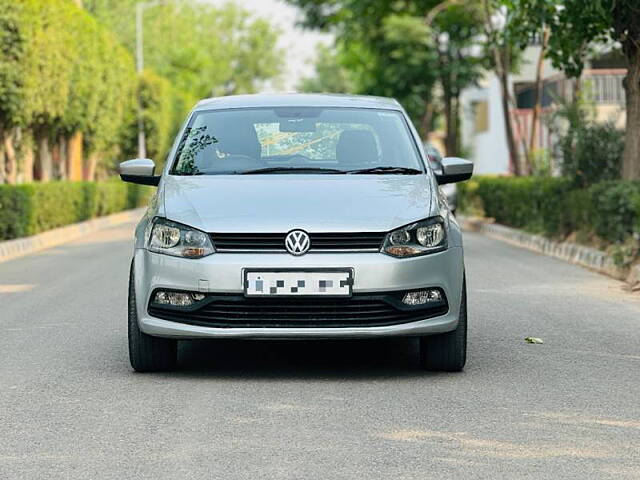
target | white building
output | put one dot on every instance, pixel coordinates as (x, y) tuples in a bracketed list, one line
[(482, 119)]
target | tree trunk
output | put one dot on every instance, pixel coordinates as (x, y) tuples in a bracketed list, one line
[(538, 92), (2, 157), (27, 166), (456, 124), (425, 121), (449, 139), (631, 155), (59, 155), (74, 157), (576, 91), (91, 167), (514, 157), (43, 170), (11, 166), (502, 73)]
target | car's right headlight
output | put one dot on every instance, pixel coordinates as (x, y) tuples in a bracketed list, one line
[(172, 238), (420, 238)]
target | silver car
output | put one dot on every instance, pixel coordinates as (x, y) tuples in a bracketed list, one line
[(296, 217)]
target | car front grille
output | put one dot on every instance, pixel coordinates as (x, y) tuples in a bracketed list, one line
[(360, 310), (320, 242)]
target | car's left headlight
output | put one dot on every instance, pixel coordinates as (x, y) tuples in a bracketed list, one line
[(172, 238), (420, 238)]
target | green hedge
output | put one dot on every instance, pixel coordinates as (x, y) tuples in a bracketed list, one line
[(609, 210), (36, 207)]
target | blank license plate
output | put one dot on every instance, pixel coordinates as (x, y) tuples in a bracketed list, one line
[(337, 283)]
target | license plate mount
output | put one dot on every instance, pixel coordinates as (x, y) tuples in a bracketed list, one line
[(308, 282)]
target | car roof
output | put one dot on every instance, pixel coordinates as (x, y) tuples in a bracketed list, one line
[(297, 100)]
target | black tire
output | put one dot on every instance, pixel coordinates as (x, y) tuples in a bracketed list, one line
[(447, 352), (147, 353)]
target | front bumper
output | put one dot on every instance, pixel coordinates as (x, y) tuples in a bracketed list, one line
[(373, 273)]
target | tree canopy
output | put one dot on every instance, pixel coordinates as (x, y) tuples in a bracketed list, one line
[(389, 49), (68, 73)]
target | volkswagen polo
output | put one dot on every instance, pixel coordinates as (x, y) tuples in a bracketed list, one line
[(295, 217)]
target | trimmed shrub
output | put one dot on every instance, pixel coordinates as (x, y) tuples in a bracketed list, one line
[(615, 210), (530, 203), (14, 210), (554, 207), (36, 207), (592, 153)]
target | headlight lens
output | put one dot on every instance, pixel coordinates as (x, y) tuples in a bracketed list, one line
[(418, 238), (175, 239)]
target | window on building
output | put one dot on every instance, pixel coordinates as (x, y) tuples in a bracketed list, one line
[(607, 89), (480, 116)]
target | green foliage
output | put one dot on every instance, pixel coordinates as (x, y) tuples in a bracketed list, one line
[(469, 201), (11, 51), (609, 210), (528, 202), (592, 153), (158, 110), (372, 47), (62, 72), (330, 75), (576, 26), (617, 209), (33, 208), (14, 203), (541, 162), (191, 50), (203, 50), (62, 69), (387, 49)]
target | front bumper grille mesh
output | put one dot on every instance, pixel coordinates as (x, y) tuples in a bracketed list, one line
[(361, 310)]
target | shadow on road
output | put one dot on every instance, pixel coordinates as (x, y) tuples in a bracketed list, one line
[(330, 359)]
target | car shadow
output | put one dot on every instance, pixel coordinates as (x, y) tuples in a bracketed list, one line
[(299, 359)]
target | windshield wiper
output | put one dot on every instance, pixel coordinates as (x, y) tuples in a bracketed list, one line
[(391, 170), (291, 170)]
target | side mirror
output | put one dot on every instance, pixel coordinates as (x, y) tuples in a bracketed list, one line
[(139, 170), (454, 170)]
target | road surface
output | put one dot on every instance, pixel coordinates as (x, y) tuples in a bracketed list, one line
[(71, 407)]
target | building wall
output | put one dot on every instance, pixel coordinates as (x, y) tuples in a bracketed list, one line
[(487, 147), (611, 113)]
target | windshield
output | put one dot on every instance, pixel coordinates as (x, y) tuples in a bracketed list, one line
[(296, 140)]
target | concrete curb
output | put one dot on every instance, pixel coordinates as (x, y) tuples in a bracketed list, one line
[(24, 246), (571, 252)]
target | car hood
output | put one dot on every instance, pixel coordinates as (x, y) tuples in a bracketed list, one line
[(279, 203)]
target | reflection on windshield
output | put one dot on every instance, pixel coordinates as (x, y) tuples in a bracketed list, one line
[(308, 139), (195, 140)]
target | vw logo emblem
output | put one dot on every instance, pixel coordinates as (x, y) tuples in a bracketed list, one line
[(297, 242)]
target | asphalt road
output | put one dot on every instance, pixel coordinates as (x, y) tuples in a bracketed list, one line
[(71, 407)]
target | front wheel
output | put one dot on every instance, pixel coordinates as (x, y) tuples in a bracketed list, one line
[(147, 353), (447, 351)]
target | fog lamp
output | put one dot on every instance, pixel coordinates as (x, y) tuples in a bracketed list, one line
[(422, 297), (177, 299)]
